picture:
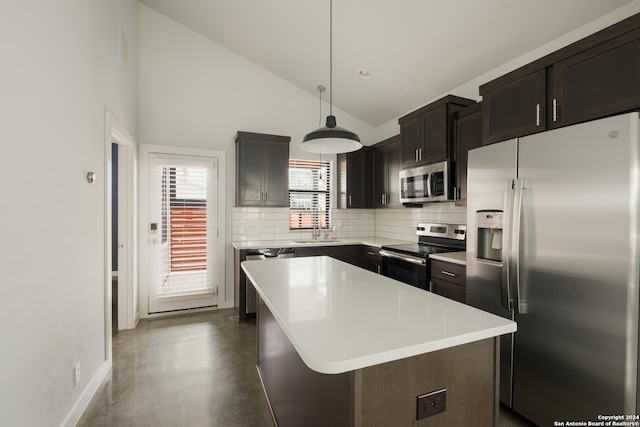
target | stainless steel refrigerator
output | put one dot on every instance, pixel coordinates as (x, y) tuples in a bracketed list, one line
[(553, 243)]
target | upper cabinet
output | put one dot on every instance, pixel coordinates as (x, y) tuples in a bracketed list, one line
[(515, 109), (387, 162), (262, 170), (426, 133), (595, 77), (354, 179), (467, 136), (598, 82)]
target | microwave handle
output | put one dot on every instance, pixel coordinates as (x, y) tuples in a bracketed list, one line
[(429, 191)]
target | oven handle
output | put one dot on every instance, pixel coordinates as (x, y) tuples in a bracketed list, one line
[(407, 258)]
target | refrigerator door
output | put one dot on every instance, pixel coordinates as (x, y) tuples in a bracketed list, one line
[(575, 349), (491, 171)]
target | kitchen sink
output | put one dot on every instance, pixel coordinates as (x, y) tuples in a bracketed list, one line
[(317, 241)]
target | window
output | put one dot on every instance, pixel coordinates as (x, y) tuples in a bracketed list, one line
[(309, 194)]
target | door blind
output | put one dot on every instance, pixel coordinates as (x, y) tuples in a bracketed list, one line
[(185, 225)]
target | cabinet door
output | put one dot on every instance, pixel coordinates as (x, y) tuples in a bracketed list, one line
[(450, 290), (357, 180), (598, 82), (380, 176), (394, 164), (468, 135), (515, 109), (411, 136), (250, 164), (276, 173), (435, 147)]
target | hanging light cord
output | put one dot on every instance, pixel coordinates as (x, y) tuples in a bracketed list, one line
[(320, 117), (331, 57)]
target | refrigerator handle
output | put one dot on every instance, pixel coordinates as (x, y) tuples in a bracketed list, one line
[(507, 301), (521, 185)]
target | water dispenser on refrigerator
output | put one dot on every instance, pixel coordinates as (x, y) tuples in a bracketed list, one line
[(489, 232)]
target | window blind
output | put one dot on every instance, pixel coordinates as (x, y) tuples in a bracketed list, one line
[(309, 194)]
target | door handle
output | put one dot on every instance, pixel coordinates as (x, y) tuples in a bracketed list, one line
[(521, 185), (507, 301)]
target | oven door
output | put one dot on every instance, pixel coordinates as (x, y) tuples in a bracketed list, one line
[(405, 268)]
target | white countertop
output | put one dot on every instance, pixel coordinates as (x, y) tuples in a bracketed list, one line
[(454, 257), (340, 317), (295, 243)]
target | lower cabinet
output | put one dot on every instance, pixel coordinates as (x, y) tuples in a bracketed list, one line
[(372, 260), (347, 253), (449, 280)]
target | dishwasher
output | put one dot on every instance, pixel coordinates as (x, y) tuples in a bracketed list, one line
[(253, 254)]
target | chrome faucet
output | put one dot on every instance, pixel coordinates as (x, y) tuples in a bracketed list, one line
[(315, 233)]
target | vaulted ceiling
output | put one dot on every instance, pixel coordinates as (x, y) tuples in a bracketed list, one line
[(415, 50)]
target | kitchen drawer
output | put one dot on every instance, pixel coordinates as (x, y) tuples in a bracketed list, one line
[(371, 259), (373, 253), (454, 273), (450, 290)]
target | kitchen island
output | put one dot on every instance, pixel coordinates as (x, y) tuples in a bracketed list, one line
[(339, 345)]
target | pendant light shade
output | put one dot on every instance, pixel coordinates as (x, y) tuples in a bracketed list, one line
[(330, 139)]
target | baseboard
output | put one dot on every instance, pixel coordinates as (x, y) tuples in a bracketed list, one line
[(87, 394)]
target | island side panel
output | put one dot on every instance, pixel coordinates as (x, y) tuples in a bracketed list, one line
[(386, 394), (297, 395)]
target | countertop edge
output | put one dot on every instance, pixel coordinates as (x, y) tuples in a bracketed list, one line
[(453, 257), (377, 242)]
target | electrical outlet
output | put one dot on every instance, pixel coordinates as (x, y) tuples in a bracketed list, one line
[(76, 373), (431, 403)]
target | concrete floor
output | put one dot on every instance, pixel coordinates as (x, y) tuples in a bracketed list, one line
[(191, 370)]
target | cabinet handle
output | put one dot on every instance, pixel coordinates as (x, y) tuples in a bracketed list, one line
[(420, 154), (555, 110), (349, 199), (537, 114), (417, 155), (371, 253), (382, 201), (379, 267), (448, 273)]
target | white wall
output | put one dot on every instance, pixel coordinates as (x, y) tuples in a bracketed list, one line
[(60, 70), (195, 93)]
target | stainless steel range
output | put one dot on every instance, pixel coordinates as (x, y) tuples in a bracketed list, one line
[(410, 263)]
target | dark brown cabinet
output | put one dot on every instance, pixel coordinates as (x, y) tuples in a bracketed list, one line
[(372, 260), (262, 170), (449, 280), (592, 78), (351, 254), (467, 136), (426, 133), (354, 182), (387, 162), (515, 109), (598, 82)]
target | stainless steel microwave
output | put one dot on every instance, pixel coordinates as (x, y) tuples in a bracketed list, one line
[(421, 184)]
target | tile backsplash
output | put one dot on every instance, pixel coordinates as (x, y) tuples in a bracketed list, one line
[(257, 224)]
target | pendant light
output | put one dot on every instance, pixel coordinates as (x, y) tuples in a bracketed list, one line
[(331, 139)]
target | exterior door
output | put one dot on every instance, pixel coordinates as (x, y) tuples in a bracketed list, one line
[(182, 232)]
